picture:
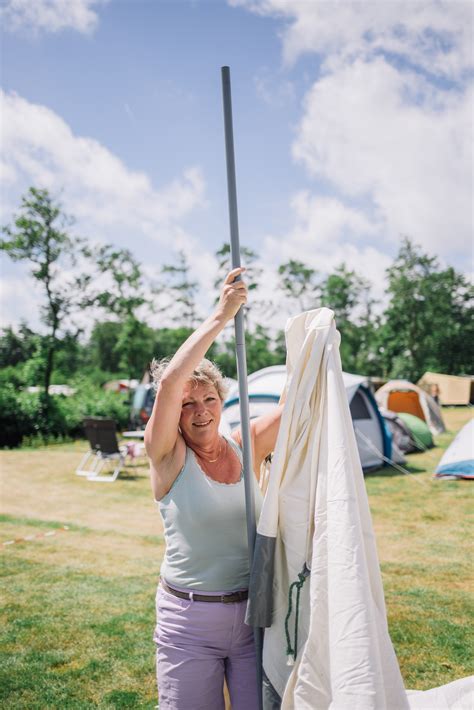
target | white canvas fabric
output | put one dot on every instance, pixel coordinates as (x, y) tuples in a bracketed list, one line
[(316, 507), (316, 518)]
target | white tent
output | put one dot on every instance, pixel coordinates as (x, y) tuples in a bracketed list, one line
[(373, 440), (458, 459)]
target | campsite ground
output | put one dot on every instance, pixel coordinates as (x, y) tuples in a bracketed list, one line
[(78, 610)]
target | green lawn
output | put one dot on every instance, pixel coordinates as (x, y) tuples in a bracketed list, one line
[(78, 606)]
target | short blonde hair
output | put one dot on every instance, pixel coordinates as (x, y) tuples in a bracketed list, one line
[(206, 373)]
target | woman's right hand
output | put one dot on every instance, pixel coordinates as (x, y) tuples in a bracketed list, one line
[(233, 294)]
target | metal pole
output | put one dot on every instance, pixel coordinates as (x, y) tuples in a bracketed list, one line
[(240, 348)]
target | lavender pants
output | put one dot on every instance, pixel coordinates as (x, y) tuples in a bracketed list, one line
[(198, 644)]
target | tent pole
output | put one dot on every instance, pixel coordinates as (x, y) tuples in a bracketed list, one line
[(240, 349)]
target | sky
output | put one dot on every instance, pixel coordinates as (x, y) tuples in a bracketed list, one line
[(352, 128)]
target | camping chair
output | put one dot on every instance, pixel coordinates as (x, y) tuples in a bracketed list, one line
[(102, 436), (90, 429)]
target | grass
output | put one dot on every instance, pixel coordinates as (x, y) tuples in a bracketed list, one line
[(78, 606), (424, 531)]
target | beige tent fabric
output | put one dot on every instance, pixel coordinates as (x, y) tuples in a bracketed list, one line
[(316, 516), (452, 389), (316, 506)]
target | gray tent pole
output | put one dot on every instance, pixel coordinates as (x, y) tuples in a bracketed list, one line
[(240, 347)]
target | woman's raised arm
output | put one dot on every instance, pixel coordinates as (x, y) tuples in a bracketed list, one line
[(161, 433)]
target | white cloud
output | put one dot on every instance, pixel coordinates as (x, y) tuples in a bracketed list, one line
[(274, 91), (50, 15), (40, 149), (19, 299), (388, 120), (109, 201), (374, 131), (322, 221), (435, 35), (326, 233)]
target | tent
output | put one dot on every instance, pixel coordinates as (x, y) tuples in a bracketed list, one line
[(452, 389), (404, 396), (373, 438), (401, 434), (458, 459), (121, 385), (419, 430)]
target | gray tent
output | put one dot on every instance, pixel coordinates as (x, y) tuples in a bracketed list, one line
[(401, 435), (373, 440)]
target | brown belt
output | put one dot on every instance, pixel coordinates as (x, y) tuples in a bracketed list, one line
[(231, 598)]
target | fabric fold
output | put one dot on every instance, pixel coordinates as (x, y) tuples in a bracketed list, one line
[(316, 515)]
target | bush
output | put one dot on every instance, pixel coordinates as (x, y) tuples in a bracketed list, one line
[(30, 415), (12, 375), (14, 425)]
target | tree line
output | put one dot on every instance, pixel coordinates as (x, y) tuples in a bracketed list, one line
[(426, 325)]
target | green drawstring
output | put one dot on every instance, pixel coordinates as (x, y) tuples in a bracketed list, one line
[(291, 651)]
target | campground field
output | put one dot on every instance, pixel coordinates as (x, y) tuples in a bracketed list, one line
[(78, 604)]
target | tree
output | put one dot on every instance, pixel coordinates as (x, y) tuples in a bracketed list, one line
[(298, 284), (17, 346), (39, 237), (348, 295), (71, 356), (103, 346), (261, 351), (253, 274), (120, 290), (428, 323), (119, 285), (180, 290), (249, 257), (169, 340), (135, 347)]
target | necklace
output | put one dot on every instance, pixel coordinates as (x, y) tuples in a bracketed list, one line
[(218, 455)]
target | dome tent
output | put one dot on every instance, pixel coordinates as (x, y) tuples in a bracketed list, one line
[(458, 459), (401, 434), (266, 386), (419, 430), (403, 396)]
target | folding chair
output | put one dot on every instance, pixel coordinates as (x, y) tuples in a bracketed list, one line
[(102, 436), (90, 429)]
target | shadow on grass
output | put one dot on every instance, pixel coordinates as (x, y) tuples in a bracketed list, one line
[(390, 471)]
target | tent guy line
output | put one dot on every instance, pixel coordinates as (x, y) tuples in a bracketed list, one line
[(29, 538), (387, 460)]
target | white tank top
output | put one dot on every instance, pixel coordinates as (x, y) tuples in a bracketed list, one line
[(205, 530)]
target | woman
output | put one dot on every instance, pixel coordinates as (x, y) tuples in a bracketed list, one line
[(196, 477)]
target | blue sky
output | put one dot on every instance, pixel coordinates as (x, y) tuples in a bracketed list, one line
[(352, 122)]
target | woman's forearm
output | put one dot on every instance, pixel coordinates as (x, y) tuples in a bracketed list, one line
[(192, 351)]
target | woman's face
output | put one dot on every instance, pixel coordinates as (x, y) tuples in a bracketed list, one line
[(200, 413)]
